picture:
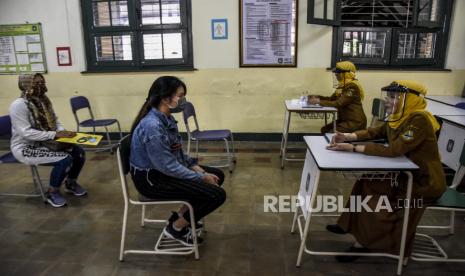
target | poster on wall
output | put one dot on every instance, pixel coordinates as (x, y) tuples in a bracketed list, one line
[(21, 49), (268, 33)]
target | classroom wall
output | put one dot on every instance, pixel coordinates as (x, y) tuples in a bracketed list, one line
[(226, 96)]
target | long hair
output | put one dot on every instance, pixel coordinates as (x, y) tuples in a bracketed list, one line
[(162, 88)]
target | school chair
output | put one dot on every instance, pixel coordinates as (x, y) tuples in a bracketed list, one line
[(164, 245), (197, 135), (377, 110), (81, 102), (426, 248), (8, 158), (460, 105)]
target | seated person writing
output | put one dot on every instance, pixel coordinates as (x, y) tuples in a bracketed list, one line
[(410, 130), (347, 99)]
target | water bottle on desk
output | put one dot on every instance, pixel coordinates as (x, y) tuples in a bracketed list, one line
[(303, 100)]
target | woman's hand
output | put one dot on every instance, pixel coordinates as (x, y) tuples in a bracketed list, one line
[(210, 179), (197, 168), (338, 137), (341, 147), (65, 134), (176, 147), (313, 100)]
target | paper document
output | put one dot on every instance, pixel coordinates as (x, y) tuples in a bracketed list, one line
[(82, 139)]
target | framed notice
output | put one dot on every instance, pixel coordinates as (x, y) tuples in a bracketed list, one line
[(21, 49), (64, 56), (268, 33)]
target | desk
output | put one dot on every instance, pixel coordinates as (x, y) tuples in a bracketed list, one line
[(440, 109), (319, 159), (451, 145), (312, 112), (449, 100)]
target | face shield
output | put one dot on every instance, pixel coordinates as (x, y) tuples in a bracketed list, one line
[(338, 77), (393, 97)]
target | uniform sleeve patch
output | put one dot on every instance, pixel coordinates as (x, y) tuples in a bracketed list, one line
[(408, 135)]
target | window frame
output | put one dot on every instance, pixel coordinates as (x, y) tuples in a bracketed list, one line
[(336, 21), (442, 40), (365, 60), (136, 29)]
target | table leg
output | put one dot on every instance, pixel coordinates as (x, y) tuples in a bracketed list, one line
[(334, 122), (405, 223), (287, 121)]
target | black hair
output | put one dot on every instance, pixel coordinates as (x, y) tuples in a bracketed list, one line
[(162, 88)]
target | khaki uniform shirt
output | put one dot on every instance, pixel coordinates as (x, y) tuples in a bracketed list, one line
[(415, 139), (350, 115)]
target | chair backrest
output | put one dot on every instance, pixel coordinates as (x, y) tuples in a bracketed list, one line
[(79, 102), (187, 112), (5, 125), (460, 105), (122, 154), (377, 108)]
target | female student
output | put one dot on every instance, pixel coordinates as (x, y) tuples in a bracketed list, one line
[(411, 131), (159, 167), (347, 99), (34, 127)]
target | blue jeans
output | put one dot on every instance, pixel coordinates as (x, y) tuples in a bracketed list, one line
[(68, 167)]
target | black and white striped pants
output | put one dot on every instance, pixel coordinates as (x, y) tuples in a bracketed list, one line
[(203, 197)]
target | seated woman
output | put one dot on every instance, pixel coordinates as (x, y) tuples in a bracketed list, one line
[(411, 131), (34, 127), (347, 99), (161, 170)]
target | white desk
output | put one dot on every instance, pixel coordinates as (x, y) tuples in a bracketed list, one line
[(440, 109), (450, 100), (319, 159), (313, 112), (451, 145)]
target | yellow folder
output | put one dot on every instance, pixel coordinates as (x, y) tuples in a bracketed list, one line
[(82, 139)]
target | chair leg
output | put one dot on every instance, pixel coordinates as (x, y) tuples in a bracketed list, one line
[(196, 148), (230, 161), (194, 234), (107, 133), (38, 182), (119, 129), (233, 150), (142, 218), (123, 232), (452, 223)]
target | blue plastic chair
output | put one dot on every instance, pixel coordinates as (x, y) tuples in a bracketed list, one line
[(81, 102), (460, 105), (208, 135), (8, 158)]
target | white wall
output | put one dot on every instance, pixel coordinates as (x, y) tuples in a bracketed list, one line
[(61, 21)]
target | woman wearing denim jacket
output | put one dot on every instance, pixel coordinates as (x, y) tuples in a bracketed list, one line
[(159, 167)]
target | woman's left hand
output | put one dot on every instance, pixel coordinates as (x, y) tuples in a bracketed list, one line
[(176, 147), (197, 168), (341, 147)]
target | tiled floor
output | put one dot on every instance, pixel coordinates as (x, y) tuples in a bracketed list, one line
[(84, 238)]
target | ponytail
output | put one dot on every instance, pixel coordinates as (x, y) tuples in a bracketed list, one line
[(163, 87)]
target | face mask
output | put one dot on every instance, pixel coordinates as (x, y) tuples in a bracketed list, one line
[(181, 103)]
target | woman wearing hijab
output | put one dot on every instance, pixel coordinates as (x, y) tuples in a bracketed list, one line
[(34, 127), (411, 131), (347, 99)]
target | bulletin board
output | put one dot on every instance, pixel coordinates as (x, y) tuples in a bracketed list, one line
[(268, 33), (22, 49)]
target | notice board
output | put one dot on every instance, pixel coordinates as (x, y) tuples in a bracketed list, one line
[(21, 49)]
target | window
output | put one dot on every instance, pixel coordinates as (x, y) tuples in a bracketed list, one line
[(386, 33), (135, 35)]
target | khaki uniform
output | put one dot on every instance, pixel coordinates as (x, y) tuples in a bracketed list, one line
[(350, 115), (381, 231)]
